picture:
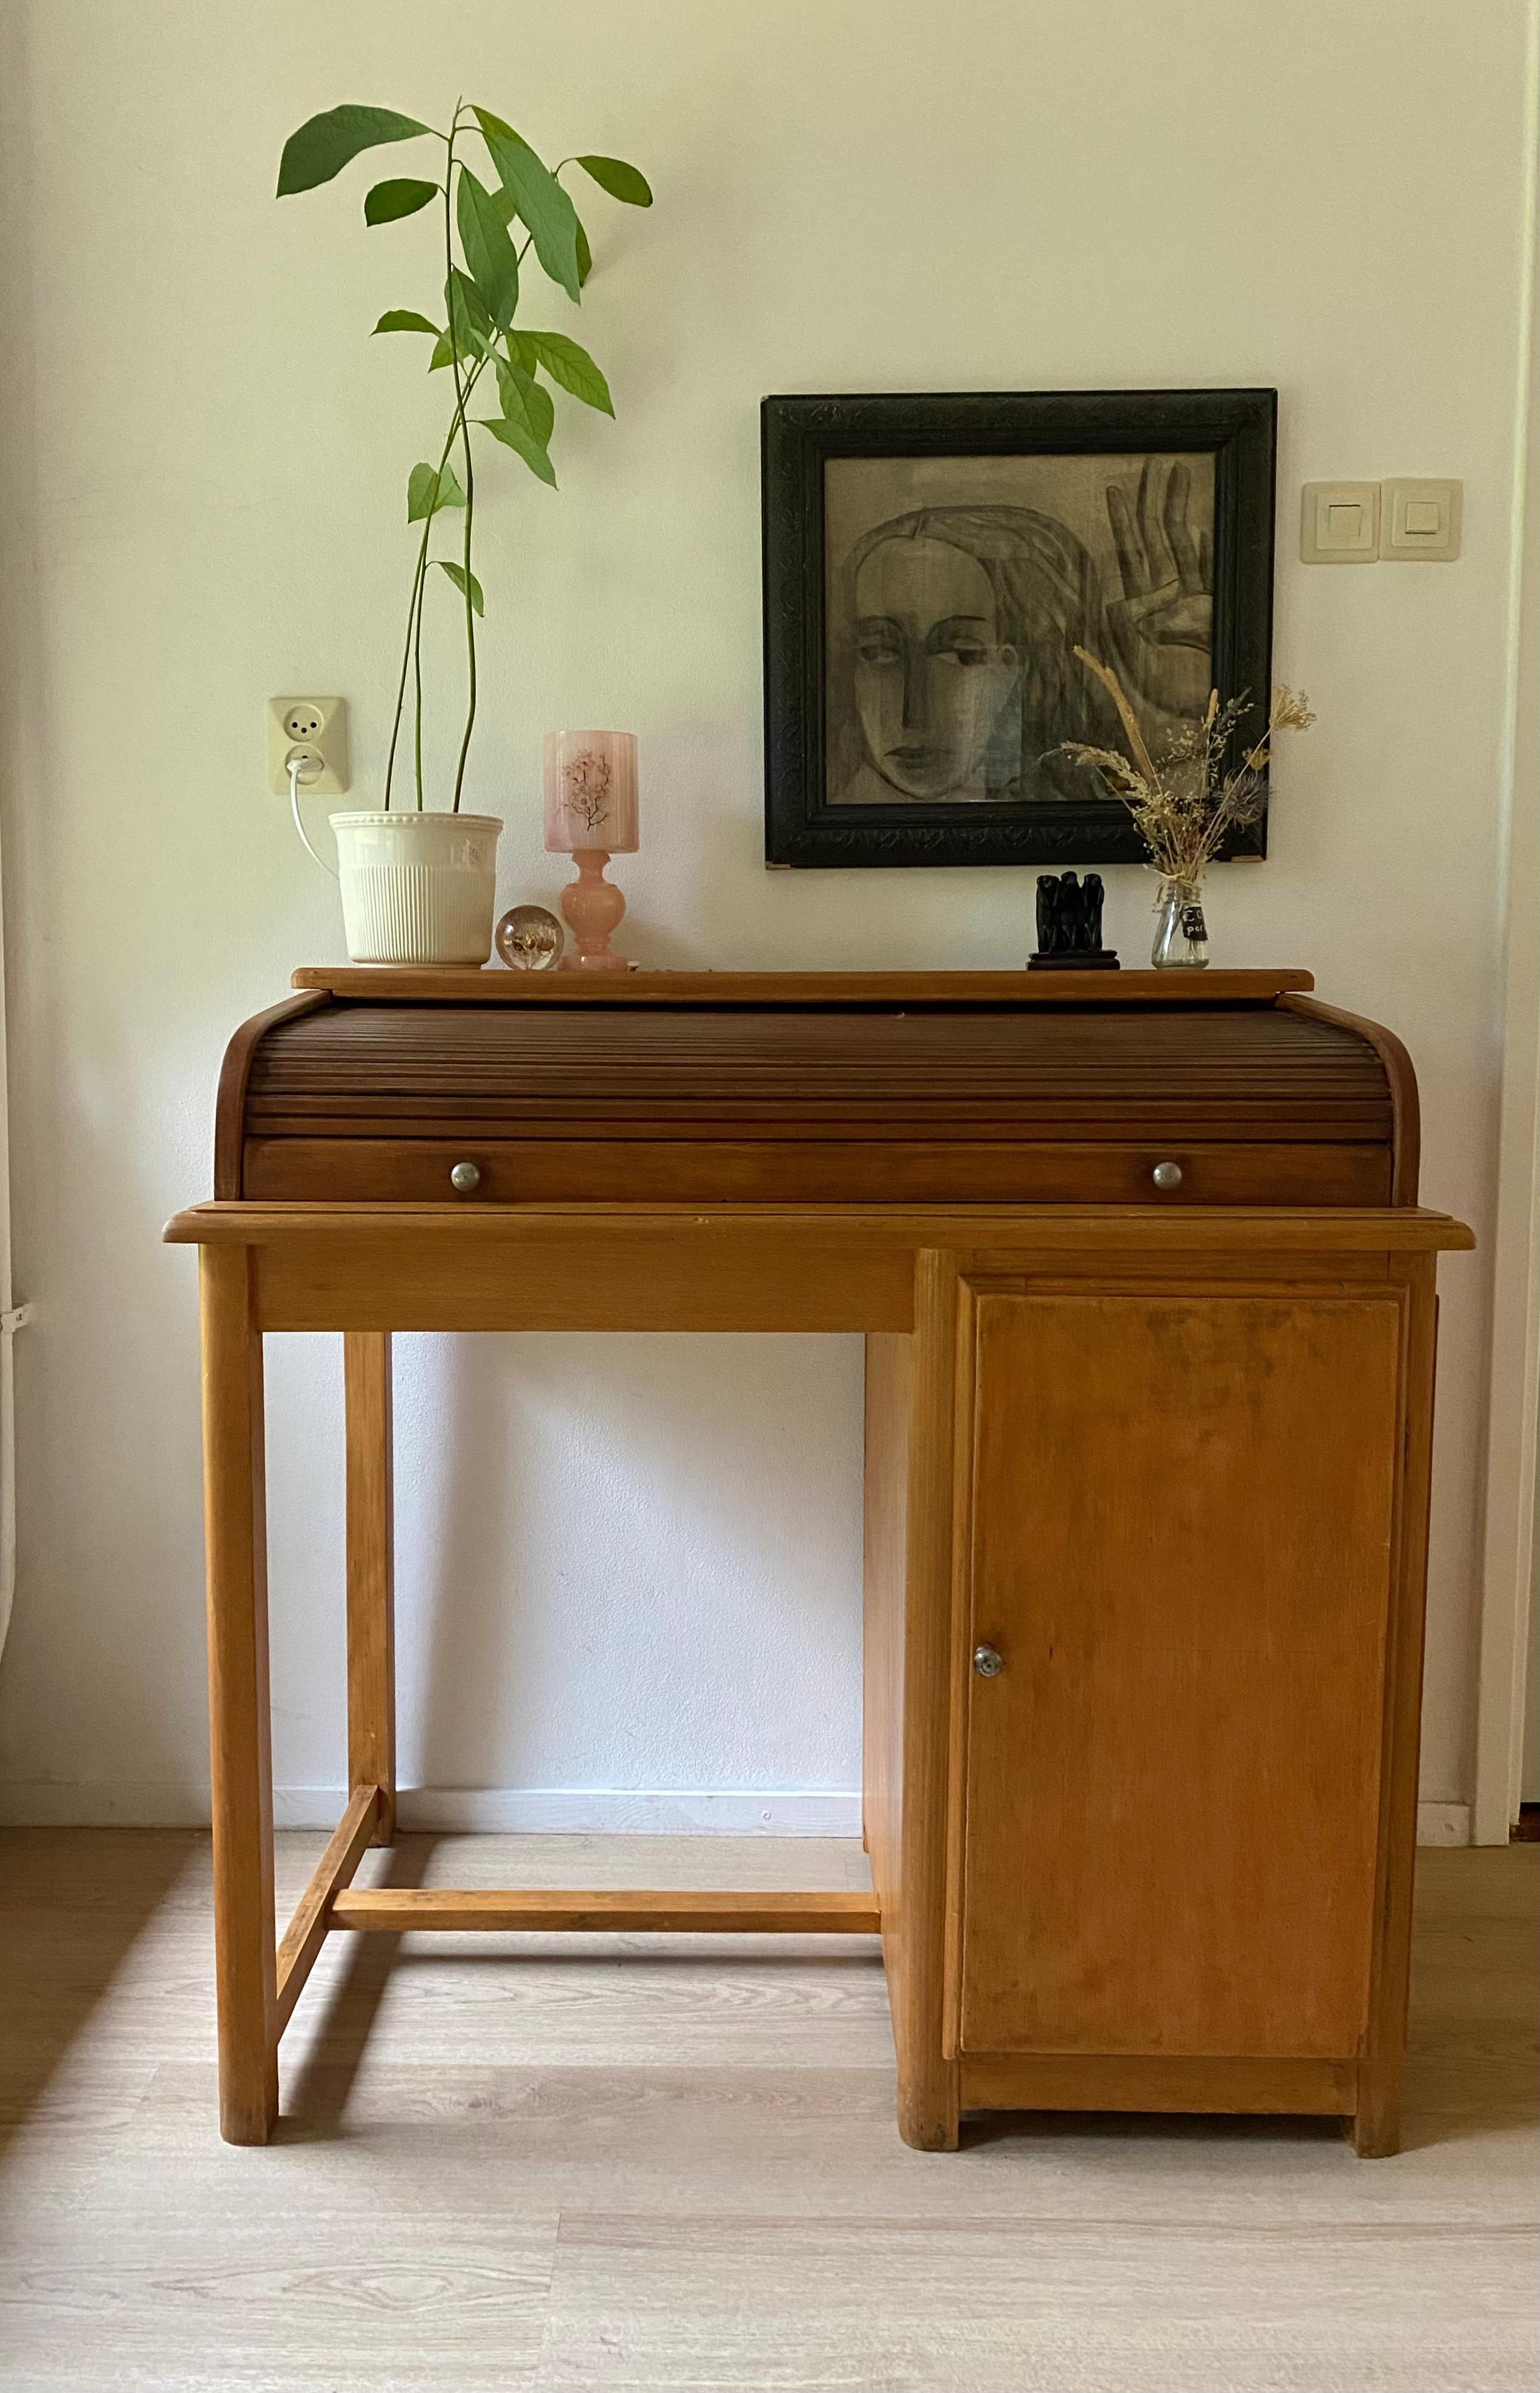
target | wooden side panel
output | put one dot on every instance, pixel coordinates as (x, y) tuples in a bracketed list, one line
[(229, 1109), (1401, 1080), (927, 2074), (889, 1386), (1377, 2127), (1183, 1549)]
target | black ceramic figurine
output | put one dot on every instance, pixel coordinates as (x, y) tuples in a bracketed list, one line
[(1069, 925)]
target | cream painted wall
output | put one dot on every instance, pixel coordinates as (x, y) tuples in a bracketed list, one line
[(628, 1564)]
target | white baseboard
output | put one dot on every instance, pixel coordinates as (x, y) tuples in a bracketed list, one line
[(480, 1810), (609, 1811), (457, 1810), (1443, 1824)]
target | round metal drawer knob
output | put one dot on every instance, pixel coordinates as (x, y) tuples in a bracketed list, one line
[(464, 1178), (1166, 1175), (988, 1661)]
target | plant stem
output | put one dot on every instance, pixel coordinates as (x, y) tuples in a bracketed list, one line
[(460, 397), (470, 615), (417, 581)]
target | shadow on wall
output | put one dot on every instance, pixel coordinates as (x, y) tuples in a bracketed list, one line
[(630, 1562)]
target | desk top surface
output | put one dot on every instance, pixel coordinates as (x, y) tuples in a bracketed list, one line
[(495, 985)]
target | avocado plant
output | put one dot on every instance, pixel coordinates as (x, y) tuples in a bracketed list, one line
[(490, 226)]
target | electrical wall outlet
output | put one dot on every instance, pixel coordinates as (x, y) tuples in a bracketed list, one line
[(314, 730)]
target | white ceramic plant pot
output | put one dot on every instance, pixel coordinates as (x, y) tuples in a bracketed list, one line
[(417, 888)]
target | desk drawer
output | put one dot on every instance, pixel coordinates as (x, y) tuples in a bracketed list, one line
[(816, 1171)]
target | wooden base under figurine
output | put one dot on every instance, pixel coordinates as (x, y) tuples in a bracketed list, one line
[(1069, 925)]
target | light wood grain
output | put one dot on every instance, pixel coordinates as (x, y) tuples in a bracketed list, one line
[(843, 1228), (1099, 2081), (661, 2176), (493, 987), (573, 1279), (240, 1736), (606, 1910), (371, 1507), (303, 1938), (1173, 1784)]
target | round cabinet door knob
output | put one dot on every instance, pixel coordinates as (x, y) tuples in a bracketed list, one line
[(465, 1179), (988, 1661), (1166, 1175)]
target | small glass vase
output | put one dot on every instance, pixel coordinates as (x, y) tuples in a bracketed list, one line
[(1182, 935)]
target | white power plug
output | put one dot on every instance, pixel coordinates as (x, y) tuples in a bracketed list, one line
[(311, 732)]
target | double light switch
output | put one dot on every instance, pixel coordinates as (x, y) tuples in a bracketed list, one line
[(1355, 523)]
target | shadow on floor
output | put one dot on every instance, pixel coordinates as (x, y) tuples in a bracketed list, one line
[(65, 1934), (315, 2095)]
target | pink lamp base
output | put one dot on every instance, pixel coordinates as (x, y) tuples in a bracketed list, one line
[(592, 906)]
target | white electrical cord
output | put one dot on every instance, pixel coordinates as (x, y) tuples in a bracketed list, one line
[(295, 765)]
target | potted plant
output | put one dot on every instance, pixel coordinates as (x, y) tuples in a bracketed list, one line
[(418, 885)]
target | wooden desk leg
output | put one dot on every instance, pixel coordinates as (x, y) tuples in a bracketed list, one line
[(371, 1573), (240, 1738)]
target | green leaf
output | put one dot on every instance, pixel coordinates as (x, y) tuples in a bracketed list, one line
[(402, 198), (513, 436), (622, 182), (431, 488), (442, 354), (323, 146), (539, 199), (458, 576), (488, 252), (586, 256), (405, 319), (566, 363), (525, 402), (467, 311)]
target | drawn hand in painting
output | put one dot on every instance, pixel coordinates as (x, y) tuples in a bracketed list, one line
[(1162, 627)]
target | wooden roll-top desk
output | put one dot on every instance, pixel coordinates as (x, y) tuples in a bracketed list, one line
[(1149, 1309)]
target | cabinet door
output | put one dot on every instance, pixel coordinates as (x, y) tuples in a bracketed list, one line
[(1182, 1548)]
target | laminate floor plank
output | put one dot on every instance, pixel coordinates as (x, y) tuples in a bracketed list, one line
[(660, 2163)]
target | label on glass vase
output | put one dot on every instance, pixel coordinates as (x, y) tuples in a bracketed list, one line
[(1192, 923)]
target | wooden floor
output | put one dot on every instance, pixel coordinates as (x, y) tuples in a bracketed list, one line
[(606, 2168)]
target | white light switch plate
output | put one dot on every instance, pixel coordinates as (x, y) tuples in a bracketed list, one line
[(1340, 523), (1420, 519), (315, 729)]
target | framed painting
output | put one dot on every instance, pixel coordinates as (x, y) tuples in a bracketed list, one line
[(933, 562)]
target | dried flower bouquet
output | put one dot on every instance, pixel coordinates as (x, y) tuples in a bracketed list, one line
[(1184, 805)]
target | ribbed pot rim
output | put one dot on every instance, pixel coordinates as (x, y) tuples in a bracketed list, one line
[(402, 817)]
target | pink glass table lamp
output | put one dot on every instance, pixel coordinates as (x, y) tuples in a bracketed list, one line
[(591, 816)]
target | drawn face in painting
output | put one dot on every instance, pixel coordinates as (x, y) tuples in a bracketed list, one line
[(932, 672)]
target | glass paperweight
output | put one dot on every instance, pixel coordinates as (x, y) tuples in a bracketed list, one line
[(530, 938)]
